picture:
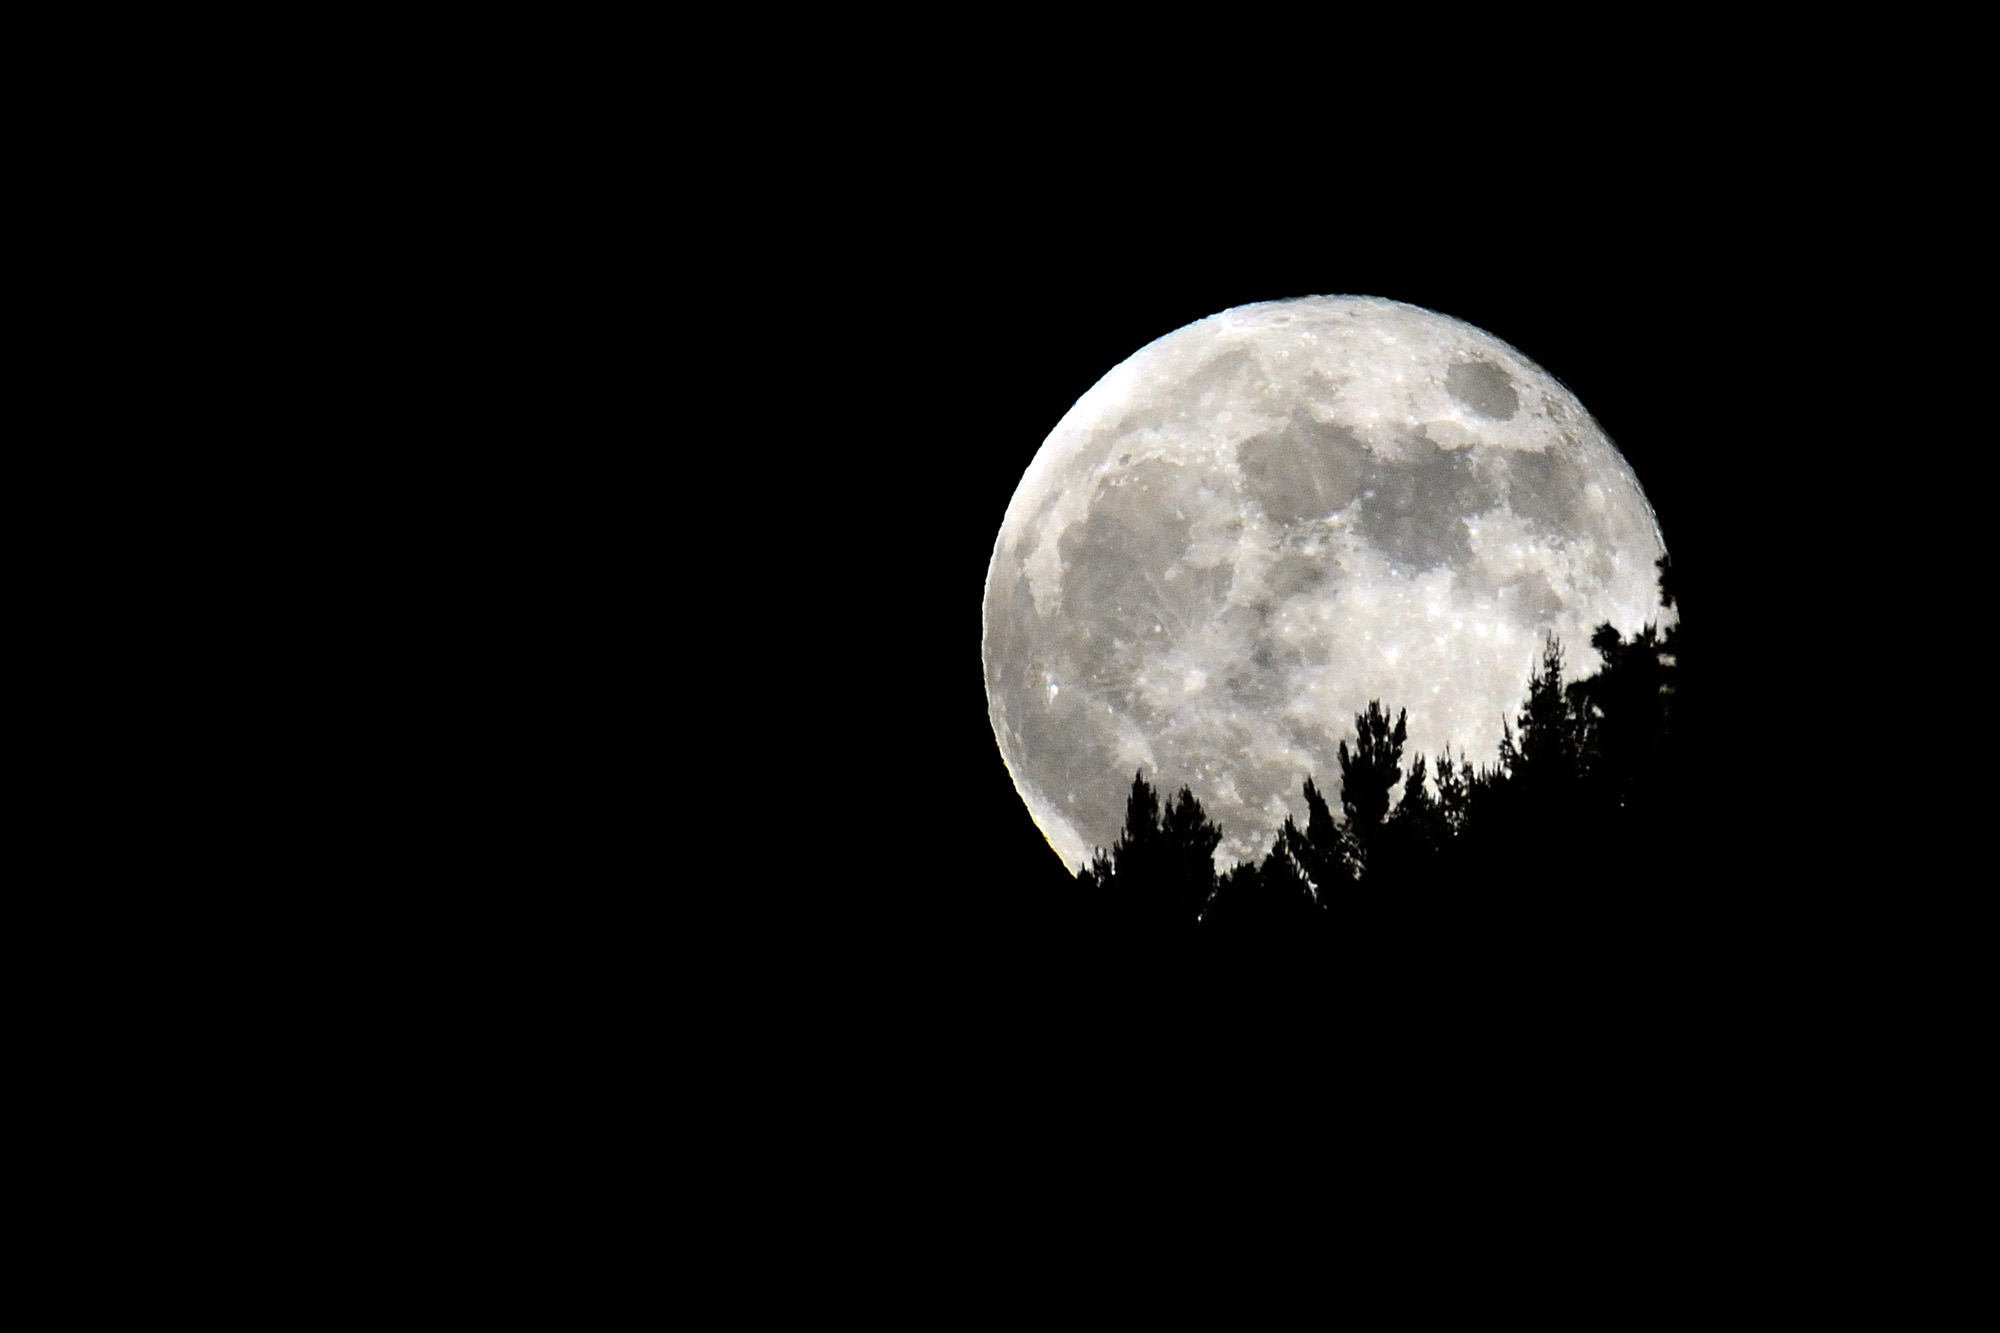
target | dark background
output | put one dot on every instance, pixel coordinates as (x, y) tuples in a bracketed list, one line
[(820, 874), (753, 380)]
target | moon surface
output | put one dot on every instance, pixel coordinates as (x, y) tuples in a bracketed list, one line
[(1261, 521)]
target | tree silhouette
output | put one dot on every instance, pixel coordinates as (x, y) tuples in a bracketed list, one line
[(1554, 730), (1416, 809), (1454, 798), (1323, 853), (1161, 870), (1415, 834), (1271, 899), (1535, 844), (1628, 701), (1370, 771)]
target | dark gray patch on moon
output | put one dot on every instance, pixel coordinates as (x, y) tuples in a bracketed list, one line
[(1410, 510), (1060, 739), (1297, 572), (1304, 470), (1253, 689), (1483, 387), (1123, 574), (1248, 678), (1113, 556), (1547, 487), (1533, 598)]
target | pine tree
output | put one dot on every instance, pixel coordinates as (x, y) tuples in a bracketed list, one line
[(1416, 806), (1323, 853), (1454, 796), (1271, 900), (1554, 730), (1191, 840), (1627, 704), (1419, 816), (1161, 871), (1369, 773)]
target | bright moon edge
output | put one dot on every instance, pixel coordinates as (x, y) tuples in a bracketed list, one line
[(1254, 525)]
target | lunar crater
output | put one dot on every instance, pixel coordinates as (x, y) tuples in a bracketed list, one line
[(1483, 387)]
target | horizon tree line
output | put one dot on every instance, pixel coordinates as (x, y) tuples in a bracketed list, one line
[(1578, 782)]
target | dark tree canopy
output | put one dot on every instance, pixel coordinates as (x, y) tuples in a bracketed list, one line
[(1372, 770), (1162, 867), (1324, 853), (1583, 773)]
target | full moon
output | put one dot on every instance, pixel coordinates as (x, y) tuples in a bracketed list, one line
[(1260, 522)]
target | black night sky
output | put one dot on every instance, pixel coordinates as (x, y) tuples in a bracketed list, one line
[(804, 883), (763, 352)]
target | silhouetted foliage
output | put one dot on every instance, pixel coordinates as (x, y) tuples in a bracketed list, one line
[(1323, 853), (1270, 899), (1454, 796), (1582, 775), (1369, 773), (1629, 704), (1415, 835), (1161, 871), (1554, 734)]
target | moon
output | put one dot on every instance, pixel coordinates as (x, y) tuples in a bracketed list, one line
[(1258, 523)]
